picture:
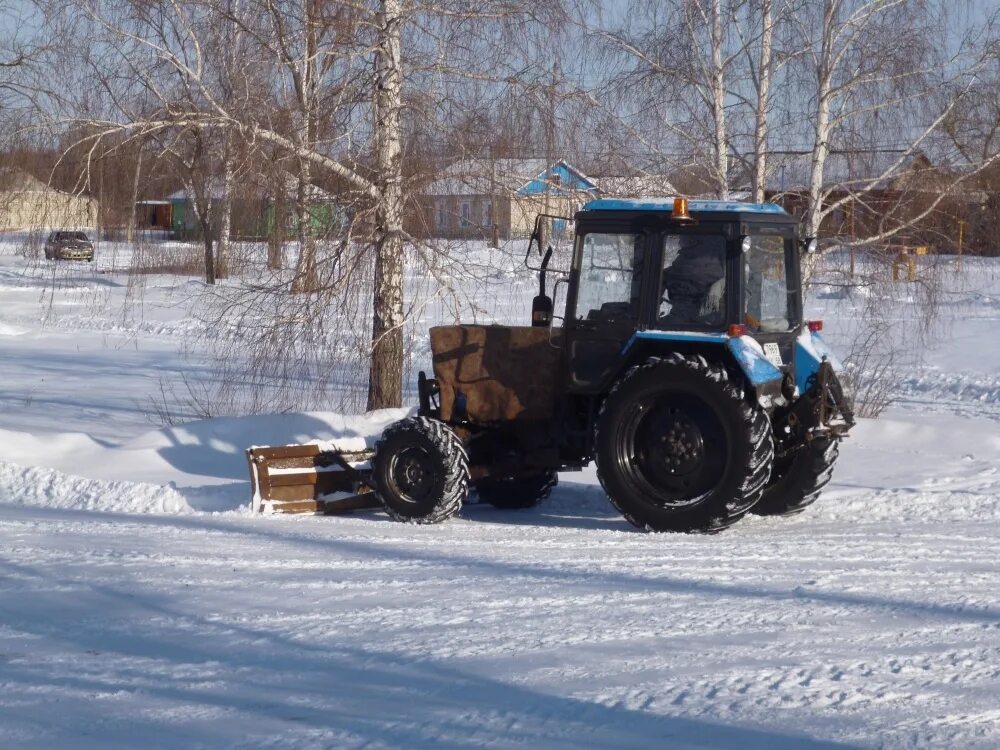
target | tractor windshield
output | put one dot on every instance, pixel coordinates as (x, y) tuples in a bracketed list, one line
[(766, 284), (693, 291)]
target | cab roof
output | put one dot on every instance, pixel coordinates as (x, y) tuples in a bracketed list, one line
[(666, 205)]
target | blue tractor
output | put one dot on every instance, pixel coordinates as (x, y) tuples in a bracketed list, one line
[(682, 366)]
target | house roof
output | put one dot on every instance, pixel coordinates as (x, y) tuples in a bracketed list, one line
[(216, 190), (15, 180), (533, 177), (559, 179), (510, 176), (790, 172), (636, 186)]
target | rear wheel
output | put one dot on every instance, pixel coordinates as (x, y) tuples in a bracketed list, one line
[(798, 478), (518, 493), (421, 471), (680, 449)]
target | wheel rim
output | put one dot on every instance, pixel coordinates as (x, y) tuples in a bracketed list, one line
[(674, 449), (411, 473)]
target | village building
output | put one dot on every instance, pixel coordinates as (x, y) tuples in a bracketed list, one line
[(639, 185), (917, 204), (475, 199), (255, 213), (27, 203)]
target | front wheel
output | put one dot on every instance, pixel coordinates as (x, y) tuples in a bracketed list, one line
[(421, 471), (679, 448), (798, 478)]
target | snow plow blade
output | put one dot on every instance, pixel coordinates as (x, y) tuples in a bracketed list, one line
[(308, 479)]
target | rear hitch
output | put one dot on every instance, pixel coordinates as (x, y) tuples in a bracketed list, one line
[(832, 401), (823, 412)]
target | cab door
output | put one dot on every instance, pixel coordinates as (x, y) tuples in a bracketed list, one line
[(605, 303)]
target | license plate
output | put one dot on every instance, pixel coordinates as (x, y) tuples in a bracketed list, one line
[(773, 354)]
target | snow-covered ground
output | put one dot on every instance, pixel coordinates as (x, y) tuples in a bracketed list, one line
[(142, 605)]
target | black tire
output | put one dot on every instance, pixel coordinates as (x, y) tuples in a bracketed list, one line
[(798, 478), (679, 447), (519, 493), (421, 471)]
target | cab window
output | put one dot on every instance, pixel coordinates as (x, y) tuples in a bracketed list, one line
[(766, 281), (693, 287), (610, 276)]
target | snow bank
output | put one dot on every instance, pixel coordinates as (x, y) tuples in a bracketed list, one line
[(196, 467), (40, 487), (205, 452)]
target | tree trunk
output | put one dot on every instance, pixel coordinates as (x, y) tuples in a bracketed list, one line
[(721, 146), (201, 205), (821, 142), (226, 218), (130, 232), (306, 278), (385, 384), (763, 102), (274, 253), (206, 232), (276, 232), (817, 169)]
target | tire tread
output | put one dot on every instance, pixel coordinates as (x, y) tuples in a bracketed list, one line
[(456, 474), (758, 428)]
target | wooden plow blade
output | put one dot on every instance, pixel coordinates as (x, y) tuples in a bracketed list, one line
[(307, 479)]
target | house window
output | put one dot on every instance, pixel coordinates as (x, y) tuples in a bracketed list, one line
[(465, 213), (488, 214), (440, 215)]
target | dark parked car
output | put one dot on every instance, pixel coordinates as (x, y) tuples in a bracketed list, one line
[(69, 246)]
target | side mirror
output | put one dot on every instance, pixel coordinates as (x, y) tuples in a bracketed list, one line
[(809, 245), (541, 305), (541, 311)]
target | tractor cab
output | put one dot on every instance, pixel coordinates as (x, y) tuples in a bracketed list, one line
[(644, 274)]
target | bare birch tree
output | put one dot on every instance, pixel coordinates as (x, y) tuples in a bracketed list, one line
[(765, 70), (683, 59), (328, 94), (875, 67)]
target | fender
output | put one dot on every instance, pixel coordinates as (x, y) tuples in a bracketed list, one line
[(748, 354), (810, 351)]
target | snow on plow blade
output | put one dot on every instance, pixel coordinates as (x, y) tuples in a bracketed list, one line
[(309, 479)]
